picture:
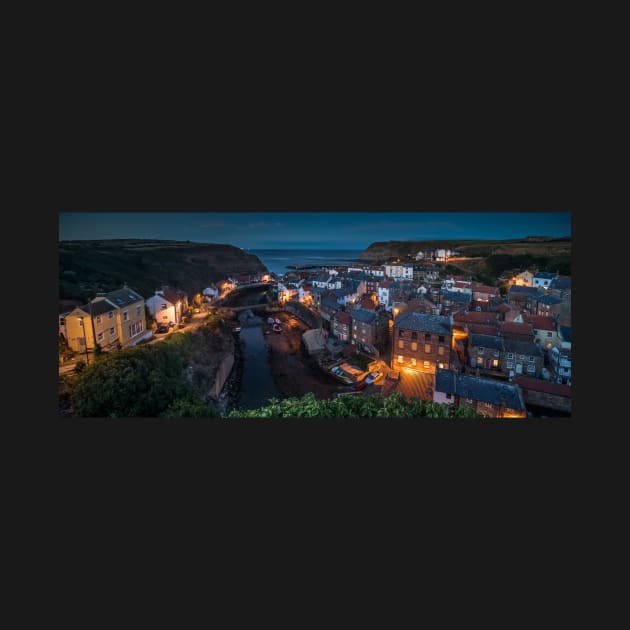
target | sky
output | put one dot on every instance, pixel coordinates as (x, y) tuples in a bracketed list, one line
[(310, 230)]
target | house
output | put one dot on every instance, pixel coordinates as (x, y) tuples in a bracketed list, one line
[(304, 293), (401, 272), (328, 306), (546, 305), (485, 352), (545, 329), (62, 325), (484, 293), (560, 364), (210, 293), (167, 305), (287, 292), (515, 330), (542, 279), (519, 296), (368, 303), (489, 397), (345, 295), (521, 357), (422, 342), (110, 319), (341, 325), (384, 289), (523, 279), (442, 255), (422, 305), (464, 319), (479, 306), (544, 394), (369, 329)]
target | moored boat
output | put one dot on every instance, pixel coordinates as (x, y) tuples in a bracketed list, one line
[(277, 328)]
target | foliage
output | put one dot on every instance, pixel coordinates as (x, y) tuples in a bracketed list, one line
[(80, 366), (190, 406), (98, 351), (213, 321), (376, 406)]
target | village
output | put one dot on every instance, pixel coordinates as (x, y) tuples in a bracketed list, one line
[(403, 325)]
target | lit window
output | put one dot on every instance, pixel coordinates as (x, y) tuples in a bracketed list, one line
[(400, 358), (414, 345), (427, 348), (441, 366), (441, 350), (479, 360), (413, 362), (427, 365), (495, 363), (401, 343)]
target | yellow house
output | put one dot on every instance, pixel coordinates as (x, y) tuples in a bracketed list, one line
[(109, 319)]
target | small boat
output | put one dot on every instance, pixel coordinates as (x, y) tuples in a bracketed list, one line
[(277, 328), (270, 320), (278, 321)]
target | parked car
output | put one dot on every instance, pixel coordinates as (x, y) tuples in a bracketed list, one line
[(161, 329), (372, 377)]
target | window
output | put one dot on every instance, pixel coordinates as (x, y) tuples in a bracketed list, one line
[(440, 350), (427, 348), (99, 319), (163, 307), (510, 355), (441, 366), (441, 339), (427, 337), (111, 330), (401, 343), (414, 336), (400, 358), (549, 334), (427, 365), (99, 336), (531, 368), (495, 363), (414, 345), (509, 365), (479, 360), (413, 362), (401, 333), (496, 353), (522, 357), (110, 314), (531, 359), (449, 396), (481, 350), (125, 316), (81, 323)]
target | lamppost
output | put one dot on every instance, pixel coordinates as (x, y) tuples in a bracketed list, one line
[(87, 358)]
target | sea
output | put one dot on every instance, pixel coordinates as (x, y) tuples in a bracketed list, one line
[(276, 260)]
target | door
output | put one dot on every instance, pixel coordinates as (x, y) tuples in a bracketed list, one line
[(487, 364), (519, 368)]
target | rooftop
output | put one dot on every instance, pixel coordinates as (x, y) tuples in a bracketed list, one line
[(538, 385), (363, 315), (479, 389), (424, 322), (486, 341)]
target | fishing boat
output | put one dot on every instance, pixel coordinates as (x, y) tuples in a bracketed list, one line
[(277, 328), (270, 320)]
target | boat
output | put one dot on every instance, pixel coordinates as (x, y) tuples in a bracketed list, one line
[(277, 328), (270, 320), (278, 321)]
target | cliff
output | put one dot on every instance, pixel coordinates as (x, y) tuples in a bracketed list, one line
[(86, 267)]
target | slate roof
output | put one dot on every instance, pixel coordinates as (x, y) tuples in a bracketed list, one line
[(330, 304), (545, 275), (124, 297), (362, 315), (519, 346), (479, 389), (475, 317), (514, 289), (456, 296), (486, 341), (98, 308), (424, 322), (343, 291)]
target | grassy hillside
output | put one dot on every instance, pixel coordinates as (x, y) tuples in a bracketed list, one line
[(86, 267), (491, 257)]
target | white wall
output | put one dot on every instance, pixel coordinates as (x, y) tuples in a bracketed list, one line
[(161, 315), (441, 398)]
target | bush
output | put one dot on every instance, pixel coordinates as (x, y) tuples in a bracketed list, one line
[(80, 366)]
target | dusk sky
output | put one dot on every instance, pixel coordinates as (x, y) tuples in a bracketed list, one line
[(325, 230)]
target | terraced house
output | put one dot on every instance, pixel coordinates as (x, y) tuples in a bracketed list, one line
[(422, 342), (110, 319)]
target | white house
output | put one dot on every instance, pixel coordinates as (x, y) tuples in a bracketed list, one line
[(210, 293), (287, 291), (419, 255), (402, 272), (543, 279), (166, 306), (443, 254)]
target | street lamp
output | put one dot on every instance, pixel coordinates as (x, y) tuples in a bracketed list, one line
[(87, 358)]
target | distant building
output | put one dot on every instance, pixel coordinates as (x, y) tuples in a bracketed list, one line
[(542, 279), (489, 397)]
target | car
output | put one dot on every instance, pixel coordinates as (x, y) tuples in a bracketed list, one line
[(372, 377), (359, 386), (161, 329)]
